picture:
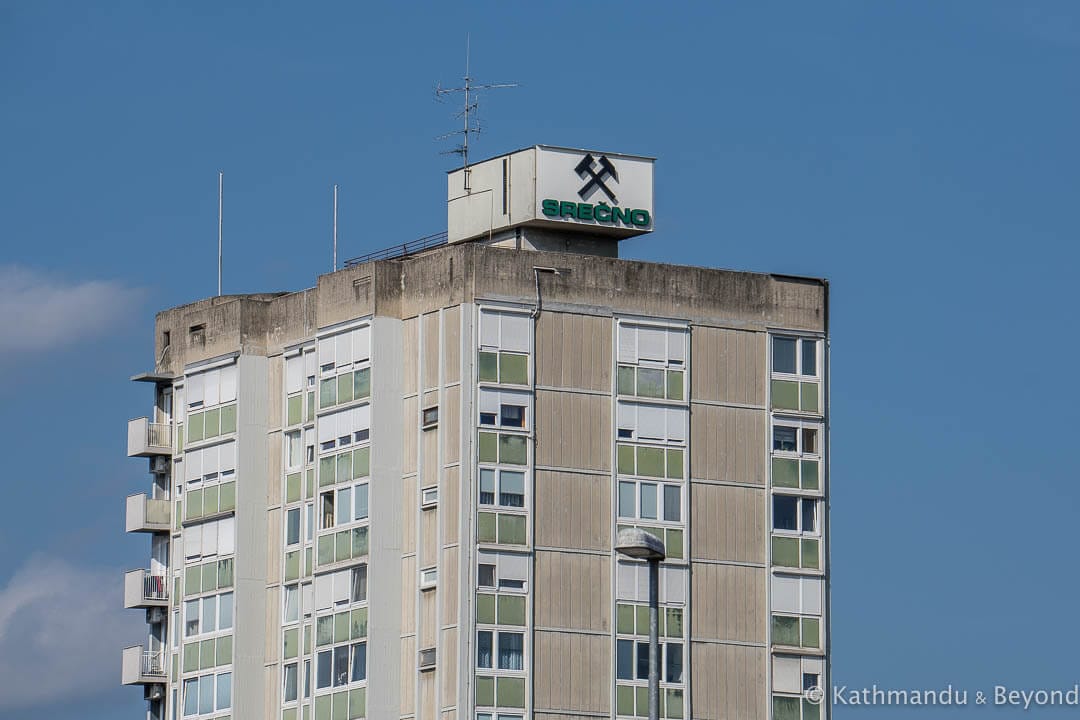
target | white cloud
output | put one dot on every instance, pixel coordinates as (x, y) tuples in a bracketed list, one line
[(39, 312), (62, 629)]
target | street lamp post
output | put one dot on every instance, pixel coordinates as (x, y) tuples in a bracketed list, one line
[(640, 545)]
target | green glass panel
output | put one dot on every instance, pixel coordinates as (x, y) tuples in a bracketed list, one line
[(288, 714), (642, 696), (327, 471), (307, 639), (341, 706), (362, 383), (327, 393), (675, 464), (359, 541), (193, 580), (294, 410), (625, 459), (228, 419), (785, 630), (809, 392), (810, 554), (785, 708), (291, 643), (650, 382), (227, 498), (485, 608), (326, 549), (511, 610), (673, 702), (808, 473), (210, 580), (309, 483), (785, 394), (343, 546), (485, 527), (811, 632), (322, 707), (344, 388), (311, 406), (674, 622), (488, 366), (292, 487), (207, 654), (624, 700), (511, 529), (224, 650), (512, 450), (361, 462), (514, 368), (675, 387), (650, 462), (625, 380), (307, 712), (341, 627), (489, 447), (344, 467), (193, 504), (191, 657), (358, 623), (210, 500), (292, 565), (357, 703), (641, 613), (810, 711), (785, 551), (485, 691), (212, 418), (510, 692), (624, 619), (224, 573), (195, 427), (178, 521), (324, 630), (785, 472), (307, 561), (179, 444), (176, 592)]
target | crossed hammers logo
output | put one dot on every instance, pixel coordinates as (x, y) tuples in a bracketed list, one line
[(587, 168)]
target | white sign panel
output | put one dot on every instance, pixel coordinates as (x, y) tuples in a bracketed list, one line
[(602, 190)]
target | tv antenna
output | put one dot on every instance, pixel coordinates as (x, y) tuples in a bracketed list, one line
[(469, 114)]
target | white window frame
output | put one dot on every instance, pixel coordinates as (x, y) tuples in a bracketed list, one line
[(800, 339)]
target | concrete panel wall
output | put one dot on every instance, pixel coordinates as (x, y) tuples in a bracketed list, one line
[(573, 430), (728, 365), (728, 523), (572, 590), (572, 672), (573, 351), (729, 682), (728, 444), (732, 602), (572, 510)]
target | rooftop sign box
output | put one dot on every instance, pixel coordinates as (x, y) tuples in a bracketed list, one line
[(602, 193)]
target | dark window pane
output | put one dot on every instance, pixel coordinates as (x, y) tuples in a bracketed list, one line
[(809, 357), (359, 662), (626, 433), (323, 671), (483, 649), (783, 355), (673, 670), (341, 665), (506, 584), (487, 418), (511, 489), (486, 576), (783, 438), (513, 415), (672, 503), (487, 487), (810, 680), (624, 662), (642, 661), (359, 583), (785, 513), (809, 441), (511, 651), (809, 516)]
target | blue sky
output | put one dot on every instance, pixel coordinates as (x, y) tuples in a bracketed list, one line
[(923, 156)]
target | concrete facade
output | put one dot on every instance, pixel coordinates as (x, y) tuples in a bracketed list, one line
[(407, 482)]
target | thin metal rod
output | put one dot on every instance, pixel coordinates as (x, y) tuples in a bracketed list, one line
[(335, 228), (220, 195), (654, 640)]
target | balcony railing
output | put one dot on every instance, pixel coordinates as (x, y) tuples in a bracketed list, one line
[(146, 439), (142, 667), (142, 589), (145, 514)]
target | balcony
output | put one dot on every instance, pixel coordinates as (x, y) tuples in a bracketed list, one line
[(143, 590), (142, 667), (146, 515), (147, 439)]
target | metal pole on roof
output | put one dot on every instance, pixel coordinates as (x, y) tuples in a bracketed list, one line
[(335, 227), (220, 188)]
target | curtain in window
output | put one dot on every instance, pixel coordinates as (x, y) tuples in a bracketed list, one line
[(483, 649), (511, 651), (359, 662)]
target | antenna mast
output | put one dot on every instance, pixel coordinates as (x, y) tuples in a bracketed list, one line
[(471, 123), (335, 228), (220, 186)]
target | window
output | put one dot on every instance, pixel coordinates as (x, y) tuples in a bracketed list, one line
[(341, 665), (505, 341), (632, 659), (343, 506), (504, 488), (650, 501), (795, 356), (430, 417), (796, 438), (795, 514), (501, 650), (651, 361), (654, 423), (344, 427), (485, 575), (429, 497), (358, 585), (291, 603), (294, 456), (290, 682), (208, 615), (427, 659), (796, 631), (796, 368), (505, 571), (207, 694), (428, 576), (292, 526)]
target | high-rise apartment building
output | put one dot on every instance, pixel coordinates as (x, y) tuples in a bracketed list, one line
[(396, 494)]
